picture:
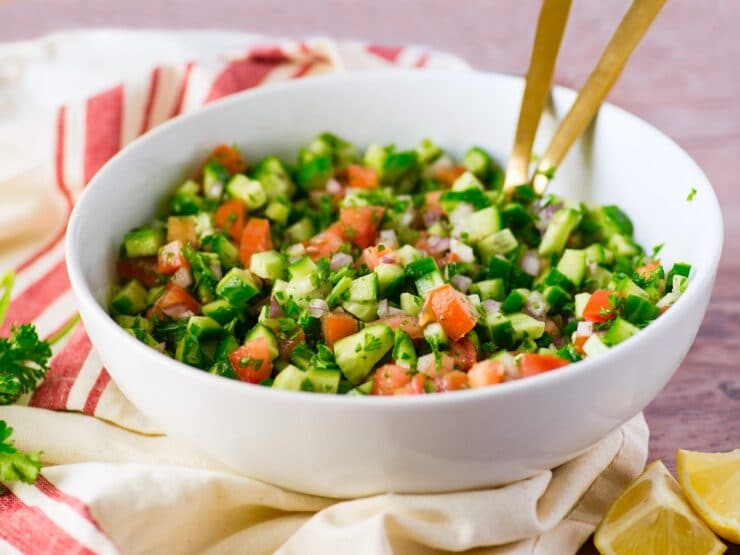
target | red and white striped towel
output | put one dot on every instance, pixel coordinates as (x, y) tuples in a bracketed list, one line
[(112, 490)]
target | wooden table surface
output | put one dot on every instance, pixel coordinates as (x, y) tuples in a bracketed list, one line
[(684, 78)]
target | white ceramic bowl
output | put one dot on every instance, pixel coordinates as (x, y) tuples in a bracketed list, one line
[(340, 446)]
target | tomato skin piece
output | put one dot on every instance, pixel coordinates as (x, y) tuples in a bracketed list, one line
[(464, 353), (143, 269), (486, 372), (449, 174), (229, 217), (336, 325), (361, 224), (389, 378), (408, 324), (454, 381), (578, 342), (417, 386), (326, 243), (360, 177), (256, 237), (229, 157), (170, 258), (531, 364), (375, 256), (252, 361), (451, 309), (599, 308), (174, 298)]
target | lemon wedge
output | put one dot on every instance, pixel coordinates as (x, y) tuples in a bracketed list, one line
[(711, 482), (652, 516)]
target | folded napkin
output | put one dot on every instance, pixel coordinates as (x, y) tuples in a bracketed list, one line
[(113, 483)]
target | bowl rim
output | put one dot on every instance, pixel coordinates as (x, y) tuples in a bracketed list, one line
[(703, 278)]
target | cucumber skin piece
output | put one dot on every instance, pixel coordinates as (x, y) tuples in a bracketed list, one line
[(563, 222), (573, 265), (204, 327), (324, 381), (131, 299), (237, 287), (619, 331), (354, 361), (268, 265), (143, 242)]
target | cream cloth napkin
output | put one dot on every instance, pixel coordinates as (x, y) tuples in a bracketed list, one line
[(113, 483)]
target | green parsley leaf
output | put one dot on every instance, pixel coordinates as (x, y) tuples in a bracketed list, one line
[(23, 362), (691, 195), (15, 465)]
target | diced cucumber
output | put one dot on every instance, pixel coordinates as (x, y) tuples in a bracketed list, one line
[(427, 282), (594, 346), (375, 156), (611, 220), (303, 289), (274, 177), (626, 287), (478, 225), (143, 242), (678, 269), (478, 161), (501, 242), (390, 278), (436, 336), (314, 171), (573, 265), (362, 389), (421, 267), (408, 254), (323, 381), (428, 152), (514, 301), (301, 356), (403, 350), (290, 378), (581, 300), (490, 289), (563, 222), (300, 231), (186, 200), (596, 254), (260, 330), (555, 297), (400, 170), (411, 304), (188, 350), (526, 327), (623, 245), (220, 310), (204, 327), (366, 311), (639, 311), (134, 322), (620, 330), (215, 177), (302, 268), (238, 286), (268, 265), (514, 214), (249, 191), (227, 252), (277, 212), (598, 278), (358, 353), (339, 292), (364, 289), (131, 299), (467, 181)]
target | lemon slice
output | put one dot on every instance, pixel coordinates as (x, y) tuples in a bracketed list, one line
[(652, 516), (711, 482)]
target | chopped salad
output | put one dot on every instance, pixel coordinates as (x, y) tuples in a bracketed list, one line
[(384, 272)]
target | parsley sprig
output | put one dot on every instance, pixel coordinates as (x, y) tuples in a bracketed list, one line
[(15, 465)]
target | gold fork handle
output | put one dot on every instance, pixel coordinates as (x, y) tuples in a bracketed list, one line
[(631, 29), (550, 27)]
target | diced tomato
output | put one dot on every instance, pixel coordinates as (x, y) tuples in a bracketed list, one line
[(453, 381), (337, 325), (388, 378), (379, 254), (531, 364), (182, 228), (409, 324), (417, 386), (599, 308), (579, 341), (230, 217), (647, 270), (451, 309), (486, 372), (170, 258), (143, 269), (448, 174), (359, 177), (287, 342), (435, 366), (326, 243), (464, 353), (256, 237), (361, 223), (229, 157), (252, 361), (175, 302)]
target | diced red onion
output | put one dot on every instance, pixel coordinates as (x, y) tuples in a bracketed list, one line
[(438, 244), (387, 259), (491, 307), (530, 263), (178, 312), (429, 218), (461, 213), (388, 238), (183, 277), (317, 308), (427, 364), (585, 329), (552, 329), (510, 367), (340, 260), (407, 218), (544, 215), (461, 282), (276, 311), (333, 186), (536, 305), (296, 251), (383, 308)]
